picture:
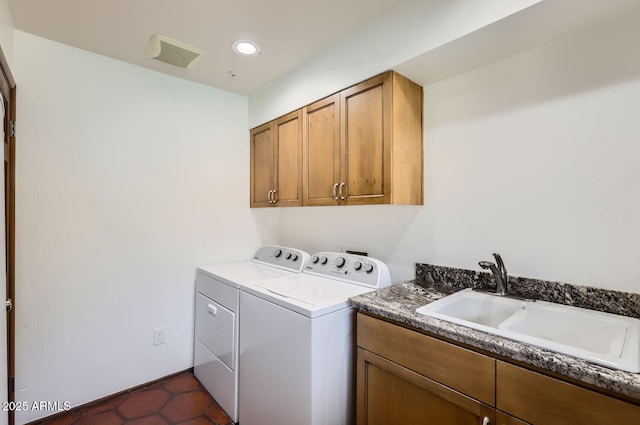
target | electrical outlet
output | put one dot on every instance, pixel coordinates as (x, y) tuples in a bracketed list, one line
[(159, 336)]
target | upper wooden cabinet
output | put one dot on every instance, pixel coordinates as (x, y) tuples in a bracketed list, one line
[(364, 145), (276, 162), (321, 151)]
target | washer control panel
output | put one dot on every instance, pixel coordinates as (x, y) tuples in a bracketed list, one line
[(350, 268), (283, 257)]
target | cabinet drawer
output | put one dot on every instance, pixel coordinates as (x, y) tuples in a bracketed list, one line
[(470, 373), (540, 399)]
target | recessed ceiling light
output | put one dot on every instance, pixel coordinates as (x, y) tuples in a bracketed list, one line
[(246, 48)]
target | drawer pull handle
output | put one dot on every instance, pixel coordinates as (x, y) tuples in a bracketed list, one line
[(486, 421), (213, 310), (335, 189)]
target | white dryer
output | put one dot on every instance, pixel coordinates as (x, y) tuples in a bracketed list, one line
[(216, 316), (297, 342)]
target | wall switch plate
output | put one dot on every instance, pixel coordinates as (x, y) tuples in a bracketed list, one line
[(159, 336)]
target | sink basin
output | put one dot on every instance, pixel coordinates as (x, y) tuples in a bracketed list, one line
[(474, 309), (603, 338)]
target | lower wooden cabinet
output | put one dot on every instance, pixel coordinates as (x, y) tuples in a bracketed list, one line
[(463, 370), (541, 399), (504, 419), (391, 394), (406, 377)]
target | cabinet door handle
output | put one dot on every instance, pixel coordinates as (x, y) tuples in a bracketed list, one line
[(342, 196), (335, 191), (486, 421), (274, 196)]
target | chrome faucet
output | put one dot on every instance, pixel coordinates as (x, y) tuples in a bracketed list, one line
[(499, 273)]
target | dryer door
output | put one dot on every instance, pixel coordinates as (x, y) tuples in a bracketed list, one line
[(215, 327)]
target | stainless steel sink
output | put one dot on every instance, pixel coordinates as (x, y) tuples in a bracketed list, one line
[(603, 338)]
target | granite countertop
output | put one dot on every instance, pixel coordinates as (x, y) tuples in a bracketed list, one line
[(399, 302)]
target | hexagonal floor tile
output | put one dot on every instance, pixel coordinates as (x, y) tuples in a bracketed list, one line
[(148, 420), (179, 399), (197, 421), (217, 415), (186, 406), (104, 406), (64, 420), (143, 404), (182, 383), (106, 418)]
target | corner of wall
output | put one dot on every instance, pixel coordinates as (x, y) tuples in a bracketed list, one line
[(6, 31)]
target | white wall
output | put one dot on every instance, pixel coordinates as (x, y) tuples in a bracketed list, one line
[(6, 32), (535, 157), (406, 31), (127, 179)]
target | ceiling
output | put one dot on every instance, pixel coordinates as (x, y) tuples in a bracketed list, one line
[(289, 32)]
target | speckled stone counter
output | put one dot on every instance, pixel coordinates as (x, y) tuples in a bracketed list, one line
[(399, 302)]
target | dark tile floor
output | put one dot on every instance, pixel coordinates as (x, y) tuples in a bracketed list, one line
[(179, 399)]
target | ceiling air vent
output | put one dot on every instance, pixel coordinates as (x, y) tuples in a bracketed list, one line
[(172, 51)]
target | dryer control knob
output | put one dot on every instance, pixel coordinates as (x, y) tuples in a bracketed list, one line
[(324, 260), (340, 262), (368, 268), (315, 259), (277, 253), (357, 265), (289, 255), (294, 257)]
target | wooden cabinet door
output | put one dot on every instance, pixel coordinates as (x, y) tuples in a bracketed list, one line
[(542, 400), (504, 419), (288, 160), (366, 138), (263, 150), (276, 162), (388, 393), (321, 140)]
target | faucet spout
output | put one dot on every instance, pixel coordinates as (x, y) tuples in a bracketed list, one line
[(499, 273), (502, 269)]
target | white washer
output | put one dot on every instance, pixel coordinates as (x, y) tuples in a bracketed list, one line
[(216, 316), (297, 342)]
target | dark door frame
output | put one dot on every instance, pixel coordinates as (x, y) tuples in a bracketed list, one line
[(8, 90)]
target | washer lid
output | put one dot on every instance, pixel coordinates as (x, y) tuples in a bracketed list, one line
[(309, 295), (242, 273)]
